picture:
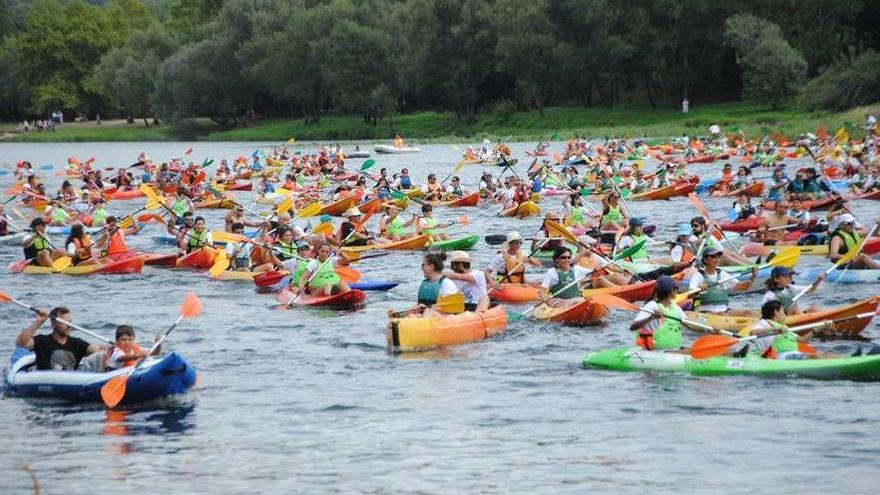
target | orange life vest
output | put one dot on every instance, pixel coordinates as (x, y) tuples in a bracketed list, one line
[(514, 263), (83, 248), (116, 244), (136, 349)]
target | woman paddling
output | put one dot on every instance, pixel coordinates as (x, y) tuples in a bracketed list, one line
[(79, 245), (780, 288), (561, 286), (709, 280), (659, 321), (510, 262), (471, 283), (391, 225), (434, 286), (320, 277)]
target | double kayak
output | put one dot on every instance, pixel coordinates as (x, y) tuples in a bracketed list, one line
[(419, 333), (126, 266), (461, 243), (583, 313), (637, 359), (157, 377), (471, 199)]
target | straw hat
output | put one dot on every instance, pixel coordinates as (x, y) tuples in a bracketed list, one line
[(514, 236), (459, 256), (352, 212)]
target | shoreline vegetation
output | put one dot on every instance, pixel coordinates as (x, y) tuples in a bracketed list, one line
[(631, 121)]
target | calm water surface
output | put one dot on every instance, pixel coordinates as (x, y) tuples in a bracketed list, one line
[(310, 401)]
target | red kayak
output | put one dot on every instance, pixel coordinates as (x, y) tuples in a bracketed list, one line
[(240, 186), (131, 264), (751, 223), (352, 299), (471, 199), (200, 259)]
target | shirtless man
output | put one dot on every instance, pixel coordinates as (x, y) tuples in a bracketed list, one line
[(236, 215), (773, 225)]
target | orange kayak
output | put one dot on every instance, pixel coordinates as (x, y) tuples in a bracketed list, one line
[(338, 208), (583, 313), (471, 199), (413, 243), (215, 204), (753, 191), (418, 333), (514, 293), (633, 292), (684, 188), (200, 259), (655, 194)]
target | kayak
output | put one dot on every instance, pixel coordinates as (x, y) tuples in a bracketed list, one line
[(583, 313), (526, 209), (214, 204), (353, 299), (685, 188), (637, 359), (411, 243), (157, 377), (126, 266), (758, 249), (745, 225), (641, 291), (852, 327), (391, 150), (514, 293), (838, 276), (376, 285), (754, 190), (200, 259), (471, 199), (357, 154), (816, 204), (462, 243), (654, 194), (167, 260), (419, 333), (121, 195), (337, 208), (240, 186), (501, 163)]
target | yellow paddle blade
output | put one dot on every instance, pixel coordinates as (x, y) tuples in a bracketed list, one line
[(310, 210), (324, 228), (787, 256), (559, 230), (284, 206), (351, 256), (684, 296), (152, 204), (291, 141), (453, 303), (126, 222), (221, 264), (149, 192), (61, 263), (458, 167), (223, 236)]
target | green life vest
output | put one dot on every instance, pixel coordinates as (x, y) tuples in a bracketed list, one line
[(429, 291), (39, 244), (395, 227), (785, 297), (296, 276), (99, 216), (785, 342), (59, 215), (642, 253), (613, 215), (668, 334), (716, 293), (431, 226), (286, 250), (565, 278), (850, 241), (196, 240), (179, 207), (326, 275), (577, 214)]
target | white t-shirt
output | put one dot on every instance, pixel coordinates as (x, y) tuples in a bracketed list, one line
[(244, 250), (448, 287), (697, 279), (652, 307), (472, 291), (551, 278), (676, 253), (114, 363)]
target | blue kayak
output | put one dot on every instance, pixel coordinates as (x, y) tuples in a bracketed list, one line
[(374, 285), (158, 377)]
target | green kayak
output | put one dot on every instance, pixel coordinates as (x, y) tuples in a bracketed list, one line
[(636, 359), (462, 243)]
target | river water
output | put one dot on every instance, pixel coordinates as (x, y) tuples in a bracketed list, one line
[(310, 401)]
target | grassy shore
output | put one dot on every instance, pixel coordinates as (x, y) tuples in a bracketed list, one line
[(623, 120)]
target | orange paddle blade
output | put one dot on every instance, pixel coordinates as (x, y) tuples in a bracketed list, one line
[(4, 297), (114, 390), (188, 152), (806, 348), (349, 274), (12, 190), (192, 307), (613, 301), (712, 345), (323, 228)]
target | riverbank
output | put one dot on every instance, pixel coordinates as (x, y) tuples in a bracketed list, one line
[(424, 127)]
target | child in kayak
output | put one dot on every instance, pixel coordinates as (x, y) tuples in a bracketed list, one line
[(428, 225), (471, 283), (126, 352), (774, 339), (780, 288), (659, 321)]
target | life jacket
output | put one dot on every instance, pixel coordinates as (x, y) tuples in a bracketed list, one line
[(83, 249), (434, 192), (394, 227), (642, 253), (785, 297), (40, 244), (687, 254), (405, 182), (786, 341), (511, 263), (715, 294), (116, 244), (99, 216), (296, 276), (613, 215), (430, 226), (179, 207), (59, 216), (286, 250), (195, 240), (326, 275), (850, 241), (577, 215), (430, 291), (136, 349), (666, 336), (565, 279)]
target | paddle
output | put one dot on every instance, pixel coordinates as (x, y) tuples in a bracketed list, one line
[(514, 316), (4, 298), (855, 253), (221, 264), (113, 391), (613, 301), (521, 264), (713, 345), (450, 304), (311, 277), (558, 229)]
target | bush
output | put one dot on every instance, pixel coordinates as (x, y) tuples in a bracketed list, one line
[(846, 84), (504, 109)]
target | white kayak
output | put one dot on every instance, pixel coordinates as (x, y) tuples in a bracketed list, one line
[(842, 276), (357, 154), (391, 150)]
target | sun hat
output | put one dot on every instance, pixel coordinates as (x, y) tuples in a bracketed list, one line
[(352, 212), (459, 257)]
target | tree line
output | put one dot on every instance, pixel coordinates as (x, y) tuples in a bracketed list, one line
[(222, 59)]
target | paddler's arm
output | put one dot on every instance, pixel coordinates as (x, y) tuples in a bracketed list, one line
[(26, 338), (638, 324), (747, 284), (465, 277)]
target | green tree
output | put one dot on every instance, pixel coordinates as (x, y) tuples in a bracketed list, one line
[(845, 85), (772, 70)]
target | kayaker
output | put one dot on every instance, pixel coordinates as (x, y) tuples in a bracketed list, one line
[(99, 213), (742, 208), (403, 181), (236, 215), (196, 238), (352, 231), (433, 190), (634, 234), (576, 213), (181, 204), (126, 352), (434, 286), (660, 320), (546, 241), (58, 350), (776, 341), (713, 297), (285, 246), (471, 283), (391, 225), (510, 262), (780, 288), (845, 239), (455, 187), (559, 289), (428, 225), (112, 241), (772, 230), (299, 265), (682, 250), (326, 281), (38, 250), (79, 245), (702, 237), (613, 217)]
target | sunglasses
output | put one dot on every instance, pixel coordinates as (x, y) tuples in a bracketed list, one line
[(564, 258)]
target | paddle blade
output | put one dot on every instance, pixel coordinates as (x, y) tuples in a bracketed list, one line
[(4, 297), (192, 307), (559, 230), (626, 253), (149, 192), (223, 236), (61, 263), (349, 274), (367, 164), (188, 152), (284, 206), (114, 390), (126, 223), (152, 204), (495, 239), (712, 345), (324, 228), (221, 264), (453, 303), (613, 301), (310, 210), (458, 166)]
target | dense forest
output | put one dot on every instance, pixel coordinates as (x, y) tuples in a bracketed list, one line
[(224, 59)]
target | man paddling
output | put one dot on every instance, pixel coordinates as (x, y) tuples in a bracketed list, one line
[(58, 350)]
